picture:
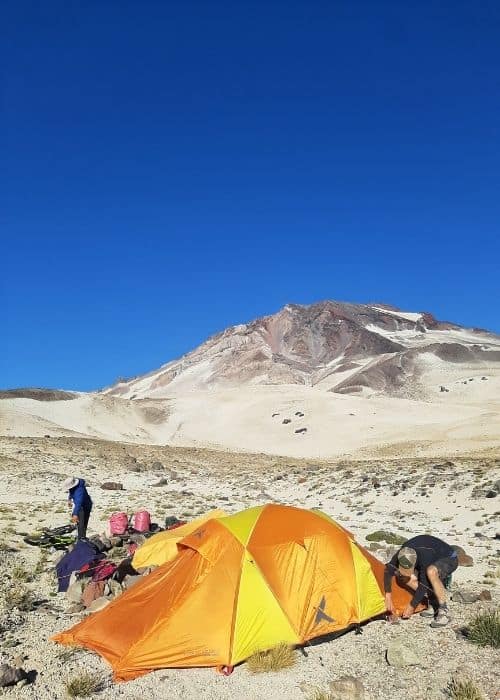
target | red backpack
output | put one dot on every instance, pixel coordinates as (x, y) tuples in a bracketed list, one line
[(142, 521), (118, 524)]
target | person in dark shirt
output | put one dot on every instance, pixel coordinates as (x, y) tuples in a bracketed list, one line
[(422, 564), (81, 502)]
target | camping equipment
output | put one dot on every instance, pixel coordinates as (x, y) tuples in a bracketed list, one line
[(172, 522), (118, 523), (141, 521), (240, 584), (82, 553), (57, 537), (162, 547)]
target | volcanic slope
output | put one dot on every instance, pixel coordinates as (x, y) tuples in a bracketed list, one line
[(324, 380)]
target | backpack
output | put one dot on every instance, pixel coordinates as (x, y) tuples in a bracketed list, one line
[(142, 521), (171, 522), (103, 570), (118, 523)]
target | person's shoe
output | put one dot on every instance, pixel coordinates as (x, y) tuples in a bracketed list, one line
[(442, 618), (430, 612)]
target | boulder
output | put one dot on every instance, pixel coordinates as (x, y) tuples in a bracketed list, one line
[(346, 688), (463, 558), (10, 675), (399, 655), (112, 486)]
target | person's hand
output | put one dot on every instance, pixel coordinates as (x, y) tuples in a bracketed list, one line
[(408, 612), (74, 519), (388, 603)]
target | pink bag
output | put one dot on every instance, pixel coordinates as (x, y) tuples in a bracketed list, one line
[(142, 521), (118, 523)]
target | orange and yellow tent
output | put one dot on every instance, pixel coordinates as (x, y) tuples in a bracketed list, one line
[(160, 548), (240, 584)]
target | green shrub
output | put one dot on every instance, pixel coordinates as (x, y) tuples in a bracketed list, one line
[(484, 629), (385, 536)]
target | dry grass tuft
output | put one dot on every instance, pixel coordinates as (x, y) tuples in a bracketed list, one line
[(19, 573), (319, 694), (463, 689), (276, 659), (83, 685), (19, 597), (484, 630)]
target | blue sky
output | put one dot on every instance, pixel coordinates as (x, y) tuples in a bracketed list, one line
[(173, 168)]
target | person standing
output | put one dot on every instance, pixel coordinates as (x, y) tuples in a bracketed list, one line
[(422, 564), (79, 499)]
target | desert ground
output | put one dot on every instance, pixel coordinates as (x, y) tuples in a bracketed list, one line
[(456, 498)]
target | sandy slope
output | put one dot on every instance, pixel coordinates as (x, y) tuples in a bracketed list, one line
[(465, 418)]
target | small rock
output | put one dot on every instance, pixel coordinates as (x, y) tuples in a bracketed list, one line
[(491, 494), (460, 595), (286, 420), (130, 581), (98, 604), (484, 595), (399, 655), (10, 675), (112, 486), (161, 482), (347, 688)]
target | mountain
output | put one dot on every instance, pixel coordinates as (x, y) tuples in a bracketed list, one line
[(343, 348), (326, 380)]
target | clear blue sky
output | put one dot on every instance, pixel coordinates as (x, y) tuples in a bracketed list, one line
[(173, 168)]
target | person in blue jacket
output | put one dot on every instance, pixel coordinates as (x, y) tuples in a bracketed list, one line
[(79, 498)]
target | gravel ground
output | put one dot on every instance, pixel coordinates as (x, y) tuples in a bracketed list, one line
[(445, 498)]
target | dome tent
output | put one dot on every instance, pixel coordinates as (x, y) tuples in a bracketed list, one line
[(160, 548), (240, 584)]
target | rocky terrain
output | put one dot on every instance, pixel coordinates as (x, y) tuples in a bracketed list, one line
[(457, 498)]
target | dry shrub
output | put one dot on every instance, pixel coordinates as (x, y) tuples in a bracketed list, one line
[(276, 659), (463, 689), (83, 685)]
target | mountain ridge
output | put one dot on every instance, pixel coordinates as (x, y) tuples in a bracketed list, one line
[(300, 344)]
